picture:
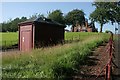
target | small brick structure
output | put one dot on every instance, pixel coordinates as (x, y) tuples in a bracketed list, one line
[(39, 32)]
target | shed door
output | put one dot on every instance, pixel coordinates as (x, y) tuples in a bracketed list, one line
[(26, 44)]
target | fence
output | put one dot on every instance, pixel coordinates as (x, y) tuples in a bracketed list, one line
[(108, 65)]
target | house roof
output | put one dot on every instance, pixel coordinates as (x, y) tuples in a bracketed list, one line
[(41, 20)]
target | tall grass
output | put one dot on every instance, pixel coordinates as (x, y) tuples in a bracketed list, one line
[(52, 62)]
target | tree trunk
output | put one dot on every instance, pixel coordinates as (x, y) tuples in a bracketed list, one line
[(72, 28), (101, 26)]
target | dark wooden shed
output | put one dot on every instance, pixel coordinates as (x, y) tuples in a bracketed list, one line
[(39, 32)]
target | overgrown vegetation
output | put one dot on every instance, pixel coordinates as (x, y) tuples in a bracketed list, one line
[(59, 61)]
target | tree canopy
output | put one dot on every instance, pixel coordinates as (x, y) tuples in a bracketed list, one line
[(12, 25), (75, 16), (105, 12), (57, 16), (99, 15), (35, 16)]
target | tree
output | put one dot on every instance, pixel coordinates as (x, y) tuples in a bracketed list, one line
[(115, 12), (12, 25), (105, 12), (99, 15), (3, 27), (74, 17), (35, 16), (57, 16), (23, 19)]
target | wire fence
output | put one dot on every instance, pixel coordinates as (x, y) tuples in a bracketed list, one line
[(108, 66)]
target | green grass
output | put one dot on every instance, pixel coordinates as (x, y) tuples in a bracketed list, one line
[(78, 35), (8, 39), (51, 62), (11, 38)]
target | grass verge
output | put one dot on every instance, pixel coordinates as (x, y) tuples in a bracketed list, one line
[(54, 62)]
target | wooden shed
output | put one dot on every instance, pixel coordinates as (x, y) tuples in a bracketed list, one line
[(39, 32)]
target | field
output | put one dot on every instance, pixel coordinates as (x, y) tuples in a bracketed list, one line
[(53, 62), (11, 38), (8, 39)]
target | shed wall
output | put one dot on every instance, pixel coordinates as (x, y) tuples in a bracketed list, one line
[(47, 34), (39, 34)]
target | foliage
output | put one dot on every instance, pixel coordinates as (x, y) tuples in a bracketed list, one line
[(53, 62), (107, 31), (99, 15), (57, 16), (74, 17), (105, 12), (114, 11), (12, 25), (35, 16)]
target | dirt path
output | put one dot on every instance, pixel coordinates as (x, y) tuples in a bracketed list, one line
[(97, 61), (94, 65)]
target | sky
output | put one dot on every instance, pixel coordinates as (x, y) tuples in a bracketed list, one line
[(11, 10)]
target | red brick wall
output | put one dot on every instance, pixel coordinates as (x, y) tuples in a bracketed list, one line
[(89, 29)]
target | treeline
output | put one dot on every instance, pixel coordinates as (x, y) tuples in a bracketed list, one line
[(105, 12), (12, 25), (73, 17)]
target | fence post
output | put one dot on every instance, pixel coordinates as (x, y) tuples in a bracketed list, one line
[(106, 72), (109, 69)]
